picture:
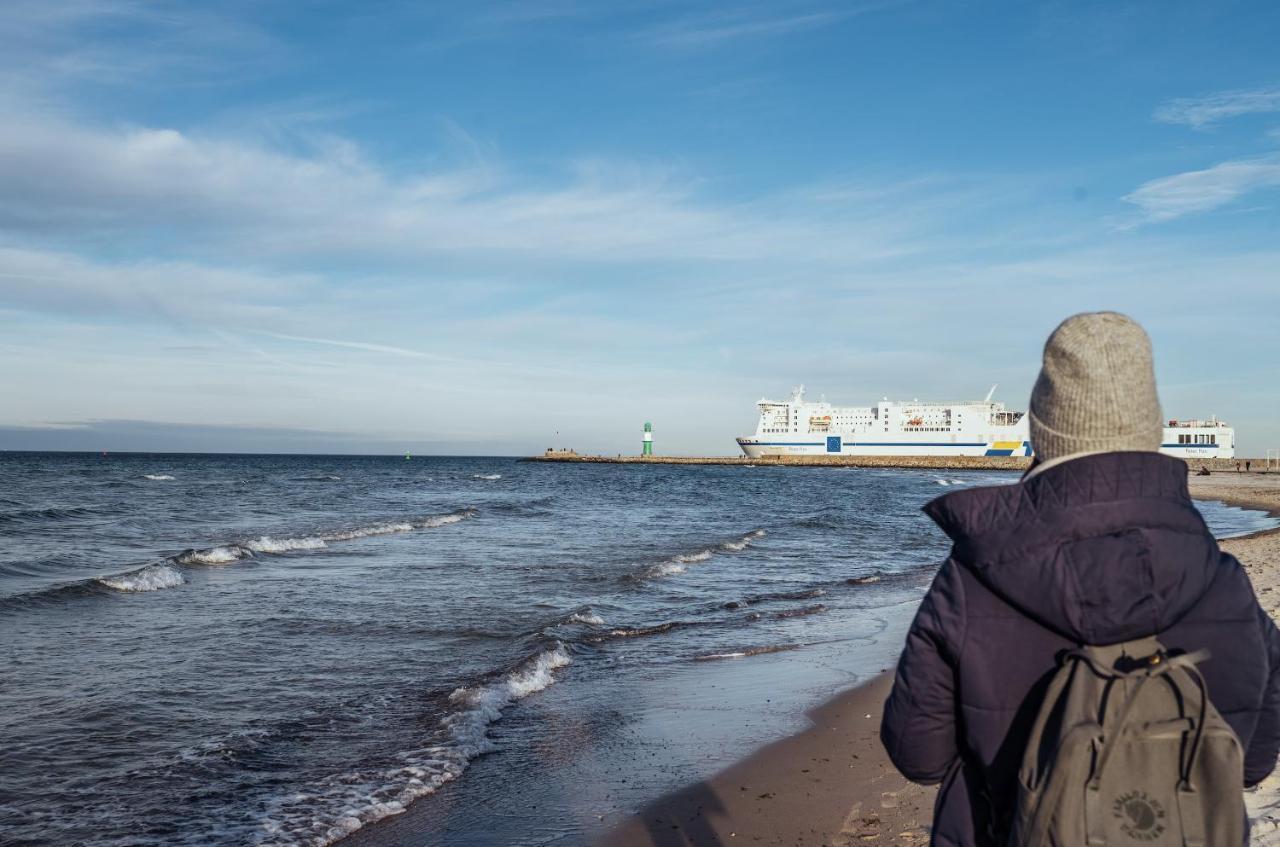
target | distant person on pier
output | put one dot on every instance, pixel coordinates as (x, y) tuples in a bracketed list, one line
[(1064, 578)]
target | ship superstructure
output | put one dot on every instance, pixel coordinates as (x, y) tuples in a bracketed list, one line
[(1199, 439), (799, 427)]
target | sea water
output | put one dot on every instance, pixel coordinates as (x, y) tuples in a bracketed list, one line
[(288, 650)]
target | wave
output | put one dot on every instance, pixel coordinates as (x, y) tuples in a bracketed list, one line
[(805, 594), (821, 521), (227, 553), (680, 563), (745, 652), (800, 613), (490, 476), (167, 573), (320, 477), (157, 477), (350, 801), (641, 631), (588, 617), (863, 580), (150, 578), (52, 513)]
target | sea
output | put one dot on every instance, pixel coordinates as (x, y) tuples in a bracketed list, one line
[(278, 650)]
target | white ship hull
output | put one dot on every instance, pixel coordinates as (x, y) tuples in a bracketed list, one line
[(852, 446), (976, 428)]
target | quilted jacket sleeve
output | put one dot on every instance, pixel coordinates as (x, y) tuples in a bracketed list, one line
[(1260, 758), (919, 726)]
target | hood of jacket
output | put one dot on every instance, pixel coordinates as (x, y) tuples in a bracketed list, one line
[(1102, 549)]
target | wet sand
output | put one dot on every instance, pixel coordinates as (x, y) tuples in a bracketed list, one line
[(829, 785), (832, 783)]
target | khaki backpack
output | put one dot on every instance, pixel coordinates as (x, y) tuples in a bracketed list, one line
[(1127, 750)]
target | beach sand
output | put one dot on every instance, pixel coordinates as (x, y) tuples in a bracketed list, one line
[(832, 783)]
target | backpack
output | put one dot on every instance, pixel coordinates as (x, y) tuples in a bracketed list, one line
[(1127, 750)]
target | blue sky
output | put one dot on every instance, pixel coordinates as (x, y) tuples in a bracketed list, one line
[(492, 227)]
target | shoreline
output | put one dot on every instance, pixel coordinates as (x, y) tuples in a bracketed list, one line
[(829, 784), (832, 784), (827, 781)]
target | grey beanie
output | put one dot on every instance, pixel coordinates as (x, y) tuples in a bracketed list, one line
[(1097, 389)]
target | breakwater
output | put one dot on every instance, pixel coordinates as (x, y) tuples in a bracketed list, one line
[(1002, 463), (940, 463)]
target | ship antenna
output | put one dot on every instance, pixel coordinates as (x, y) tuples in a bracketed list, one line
[(991, 393)]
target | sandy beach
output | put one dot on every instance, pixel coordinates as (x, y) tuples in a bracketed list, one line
[(832, 783)]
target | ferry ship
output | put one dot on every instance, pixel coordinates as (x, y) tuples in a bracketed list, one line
[(796, 427)]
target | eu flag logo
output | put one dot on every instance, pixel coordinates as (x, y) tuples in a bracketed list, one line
[(833, 444)]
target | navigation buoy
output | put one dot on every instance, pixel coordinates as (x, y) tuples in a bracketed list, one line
[(646, 448)]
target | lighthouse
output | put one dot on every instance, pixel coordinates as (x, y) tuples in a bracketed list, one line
[(646, 448)]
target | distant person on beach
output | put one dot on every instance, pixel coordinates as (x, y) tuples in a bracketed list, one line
[(1246, 465), (1098, 544)]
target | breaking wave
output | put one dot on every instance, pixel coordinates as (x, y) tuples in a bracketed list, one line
[(679, 564), (351, 800), (588, 617), (225, 554), (158, 477), (486, 476), (150, 578)]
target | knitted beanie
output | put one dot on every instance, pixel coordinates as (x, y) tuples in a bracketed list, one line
[(1097, 389)]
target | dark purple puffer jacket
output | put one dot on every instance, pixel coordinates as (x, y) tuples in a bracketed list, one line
[(1097, 550)]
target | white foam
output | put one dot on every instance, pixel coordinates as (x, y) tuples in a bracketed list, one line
[(227, 553), (444, 520), (267, 544), (351, 800), (666, 569), (151, 578), (589, 618), (678, 564), (157, 476), (221, 555), (486, 476)]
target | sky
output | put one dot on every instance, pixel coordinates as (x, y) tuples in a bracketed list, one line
[(488, 228)]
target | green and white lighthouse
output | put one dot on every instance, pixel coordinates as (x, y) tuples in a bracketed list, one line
[(646, 448)]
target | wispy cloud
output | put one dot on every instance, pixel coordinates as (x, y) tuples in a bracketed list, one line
[(1187, 193), (69, 179), (1200, 112), (365, 346), (175, 292), (710, 29)]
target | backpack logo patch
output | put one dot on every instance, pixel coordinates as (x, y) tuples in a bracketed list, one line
[(1141, 815)]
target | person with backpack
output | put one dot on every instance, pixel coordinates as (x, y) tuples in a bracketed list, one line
[(1088, 667)]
